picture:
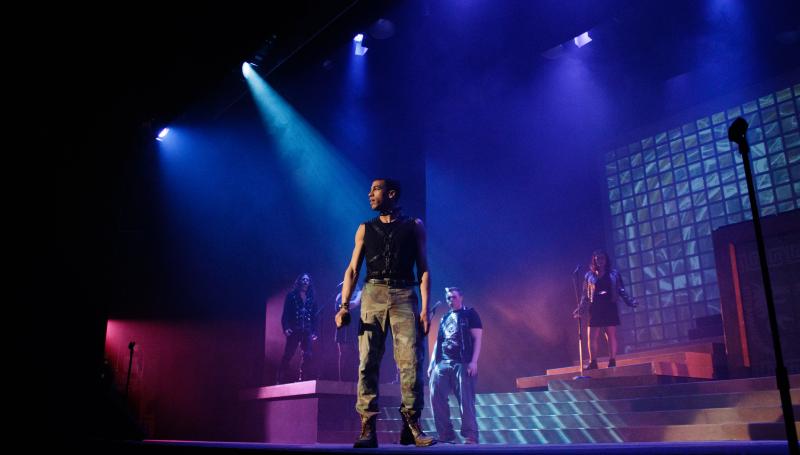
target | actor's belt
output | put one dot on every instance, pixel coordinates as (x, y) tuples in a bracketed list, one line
[(392, 283)]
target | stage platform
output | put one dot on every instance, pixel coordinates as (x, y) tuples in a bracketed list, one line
[(685, 448), (310, 411), (671, 364), (663, 395), (714, 410)]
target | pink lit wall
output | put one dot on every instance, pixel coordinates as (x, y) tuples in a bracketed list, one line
[(186, 376)]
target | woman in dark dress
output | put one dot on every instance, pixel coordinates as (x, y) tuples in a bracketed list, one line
[(602, 287)]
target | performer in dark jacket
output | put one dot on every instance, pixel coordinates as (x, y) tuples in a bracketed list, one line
[(602, 288), (299, 322)]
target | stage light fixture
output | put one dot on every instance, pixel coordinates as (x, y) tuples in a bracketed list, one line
[(162, 134), (359, 48), (246, 69), (582, 40)]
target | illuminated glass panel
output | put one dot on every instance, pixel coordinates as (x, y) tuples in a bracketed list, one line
[(670, 190)]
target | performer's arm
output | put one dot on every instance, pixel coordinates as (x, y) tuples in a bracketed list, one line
[(423, 274), (472, 368), (350, 277)]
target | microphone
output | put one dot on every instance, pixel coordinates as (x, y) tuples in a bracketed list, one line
[(432, 309)]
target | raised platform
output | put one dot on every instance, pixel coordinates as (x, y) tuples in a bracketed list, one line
[(677, 363), (310, 412), (679, 448), (322, 412)]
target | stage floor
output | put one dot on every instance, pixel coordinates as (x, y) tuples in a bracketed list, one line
[(719, 447)]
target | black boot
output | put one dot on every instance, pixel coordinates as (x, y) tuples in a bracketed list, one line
[(612, 362), (592, 365), (406, 438), (412, 432), (368, 439)]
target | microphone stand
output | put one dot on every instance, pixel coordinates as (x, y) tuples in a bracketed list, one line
[(737, 133), (580, 323), (336, 335), (340, 336), (130, 365)]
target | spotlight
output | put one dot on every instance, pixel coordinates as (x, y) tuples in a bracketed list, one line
[(582, 40), (162, 134), (359, 48), (247, 69)]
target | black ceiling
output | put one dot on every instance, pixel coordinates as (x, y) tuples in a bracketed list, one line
[(150, 61)]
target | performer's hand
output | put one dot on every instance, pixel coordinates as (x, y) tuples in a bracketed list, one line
[(342, 318), (472, 369), (424, 323), (577, 313), (314, 337), (287, 332)]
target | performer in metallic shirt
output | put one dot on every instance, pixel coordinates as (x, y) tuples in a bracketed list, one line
[(454, 368)]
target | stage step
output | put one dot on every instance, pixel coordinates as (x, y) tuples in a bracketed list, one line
[(661, 433), (647, 390), (693, 359), (615, 382), (620, 420), (708, 346), (741, 409), (756, 399), (697, 365)]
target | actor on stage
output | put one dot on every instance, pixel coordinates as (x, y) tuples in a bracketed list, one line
[(454, 368), (392, 245), (602, 288), (299, 321)]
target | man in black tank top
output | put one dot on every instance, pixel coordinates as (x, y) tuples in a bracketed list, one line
[(392, 245)]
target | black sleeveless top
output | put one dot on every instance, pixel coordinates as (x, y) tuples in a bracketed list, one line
[(390, 248)]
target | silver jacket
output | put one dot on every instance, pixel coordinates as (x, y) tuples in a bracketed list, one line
[(617, 291)]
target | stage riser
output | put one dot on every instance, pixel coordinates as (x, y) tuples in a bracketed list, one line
[(723, 432), (677, 357), (698, 368), (688, 388), (716, 348), (696, 388), (624, 420), (697, 361), (689, 402), (744, 409), (567, 383)]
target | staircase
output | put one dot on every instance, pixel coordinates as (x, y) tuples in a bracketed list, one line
[(740, 409)]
